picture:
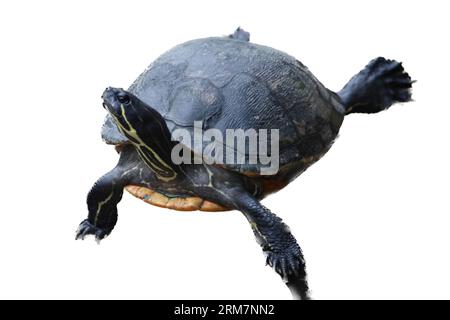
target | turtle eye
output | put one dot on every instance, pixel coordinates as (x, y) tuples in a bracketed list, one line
[(125, 99)]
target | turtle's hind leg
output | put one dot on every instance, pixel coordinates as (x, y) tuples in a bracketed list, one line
[(379, 85)]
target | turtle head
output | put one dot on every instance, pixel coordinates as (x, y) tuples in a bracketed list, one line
[(118, 101), (135, 118), (125, 108), (144, 127)]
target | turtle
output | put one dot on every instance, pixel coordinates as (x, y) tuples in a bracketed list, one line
[(228, 83)]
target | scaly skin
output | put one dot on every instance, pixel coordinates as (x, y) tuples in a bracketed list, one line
[(215, 184), (146, 160)]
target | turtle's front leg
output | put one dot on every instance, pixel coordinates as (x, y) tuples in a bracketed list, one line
[(276, 240), (106, 193), (102, 203), (282, 250)]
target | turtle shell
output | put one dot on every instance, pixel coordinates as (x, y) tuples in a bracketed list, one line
[(230, 84)]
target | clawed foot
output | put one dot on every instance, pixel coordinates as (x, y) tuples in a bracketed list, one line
[(291, 267), (285, 257), (288, 263), (86, 228)]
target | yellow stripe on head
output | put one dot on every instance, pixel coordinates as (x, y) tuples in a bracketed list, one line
[(163, 170)]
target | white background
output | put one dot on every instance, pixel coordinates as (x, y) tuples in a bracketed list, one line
[(372, 216)]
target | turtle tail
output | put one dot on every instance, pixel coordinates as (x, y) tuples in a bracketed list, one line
[(375, 88), (240, 34)]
